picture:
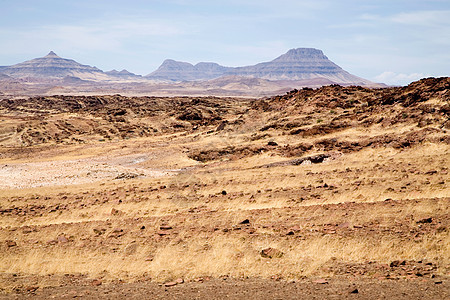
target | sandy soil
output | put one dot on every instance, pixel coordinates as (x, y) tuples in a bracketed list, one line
[(72, 172)]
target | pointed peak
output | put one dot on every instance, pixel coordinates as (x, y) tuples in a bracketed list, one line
[(51, 54)]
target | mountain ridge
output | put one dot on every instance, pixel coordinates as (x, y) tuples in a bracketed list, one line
[(183, 71), (295, 64), (50, 65), (297, 68)]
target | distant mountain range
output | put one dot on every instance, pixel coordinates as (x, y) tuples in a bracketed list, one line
[(296, 64), (297, 68)]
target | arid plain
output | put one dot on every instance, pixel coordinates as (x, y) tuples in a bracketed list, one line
[(333, 192)]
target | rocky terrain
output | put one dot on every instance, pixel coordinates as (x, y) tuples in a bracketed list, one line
[(336, 192), (50, 75)]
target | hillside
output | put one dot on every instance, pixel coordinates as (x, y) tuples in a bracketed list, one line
[(313, 193)]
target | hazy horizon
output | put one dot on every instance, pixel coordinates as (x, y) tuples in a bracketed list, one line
[(394, 42)]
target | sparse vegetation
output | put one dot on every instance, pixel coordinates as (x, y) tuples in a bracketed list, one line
[(171, 192)]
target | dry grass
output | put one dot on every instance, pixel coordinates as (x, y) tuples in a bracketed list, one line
[(233, 256), (206, 201)]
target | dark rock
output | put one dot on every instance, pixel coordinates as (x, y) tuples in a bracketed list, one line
[(191, 115), (10, 243), (246, 221), (99, 231), (397, 263), (32, 289), (354, 291), (315, 159), (118, 232), (426, 220), (271, 253), (127, 176), (163, 232), (116, 212), (221, 126)]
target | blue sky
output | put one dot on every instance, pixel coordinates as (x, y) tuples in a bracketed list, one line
[(395, 41)]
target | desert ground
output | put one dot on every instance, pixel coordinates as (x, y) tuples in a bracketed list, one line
[(329, 193)]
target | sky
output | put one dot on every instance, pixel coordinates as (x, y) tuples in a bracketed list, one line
[(392, 41)]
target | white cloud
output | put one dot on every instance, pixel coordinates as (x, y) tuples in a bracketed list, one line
[(425, 18), (393, 78)]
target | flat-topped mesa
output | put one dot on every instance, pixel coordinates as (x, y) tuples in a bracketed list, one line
[(299, 64), (183, 71), (301, 54)]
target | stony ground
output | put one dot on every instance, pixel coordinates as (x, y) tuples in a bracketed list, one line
[(316, 193), (225, 288)]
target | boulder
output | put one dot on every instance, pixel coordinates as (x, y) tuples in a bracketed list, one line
[(271, 253)]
